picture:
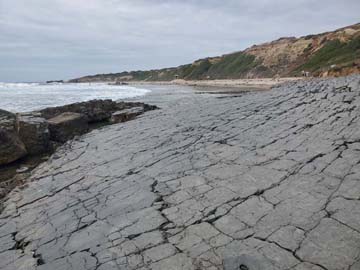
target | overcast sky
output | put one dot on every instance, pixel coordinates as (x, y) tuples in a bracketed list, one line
[(61, 39)]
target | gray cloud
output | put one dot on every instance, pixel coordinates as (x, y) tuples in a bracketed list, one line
[(42, 39)]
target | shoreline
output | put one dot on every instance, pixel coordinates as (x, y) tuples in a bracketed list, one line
[(187, 178), (236, 84)]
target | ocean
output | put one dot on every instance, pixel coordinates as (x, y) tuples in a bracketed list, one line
[(24, 97)]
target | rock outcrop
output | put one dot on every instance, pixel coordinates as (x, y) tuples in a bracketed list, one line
[(38, 132), (67, 125), (7, 120), (34, 132), (93, 110), (263, 180), (11, 147), (126, 114)]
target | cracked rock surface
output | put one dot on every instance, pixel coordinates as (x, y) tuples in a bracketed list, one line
[(265, 180)]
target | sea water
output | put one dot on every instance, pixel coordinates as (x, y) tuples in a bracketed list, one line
[(24, 97)]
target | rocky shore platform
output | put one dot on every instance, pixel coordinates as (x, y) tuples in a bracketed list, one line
[(264, 180), (27, 139)]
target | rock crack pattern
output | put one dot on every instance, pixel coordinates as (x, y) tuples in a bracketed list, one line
[(266, 180)]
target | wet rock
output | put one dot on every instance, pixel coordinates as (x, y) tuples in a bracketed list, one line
[(93, 110), (126, 115), (67, 125), (34, 133)]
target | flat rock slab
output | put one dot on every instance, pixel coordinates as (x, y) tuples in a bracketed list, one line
[(34, 132), (126, 114), (67, 125), (265, 180)]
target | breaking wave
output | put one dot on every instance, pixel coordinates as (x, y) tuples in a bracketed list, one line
[(22, 97)]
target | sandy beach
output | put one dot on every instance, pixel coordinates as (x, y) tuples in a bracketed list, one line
[(234, 84)]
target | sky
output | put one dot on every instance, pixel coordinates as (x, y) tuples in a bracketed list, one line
[(62, 39)]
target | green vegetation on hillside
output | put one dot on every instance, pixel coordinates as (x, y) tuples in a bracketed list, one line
[(283, 57), (332, 53), (234, 65), (197, 71)]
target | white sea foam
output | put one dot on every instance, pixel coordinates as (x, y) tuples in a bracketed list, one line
[(21, 97)]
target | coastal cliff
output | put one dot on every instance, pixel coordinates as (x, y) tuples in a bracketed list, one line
[(335, 53)]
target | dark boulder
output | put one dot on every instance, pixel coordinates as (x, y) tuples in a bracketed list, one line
[(34, 132), (11, 147), (67, 125), (7, 120), (126, 114), (93, 110), (121, 105)]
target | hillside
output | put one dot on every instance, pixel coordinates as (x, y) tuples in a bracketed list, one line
[(328, 54)]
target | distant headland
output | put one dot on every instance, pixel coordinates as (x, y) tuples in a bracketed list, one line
[(335, 53)]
